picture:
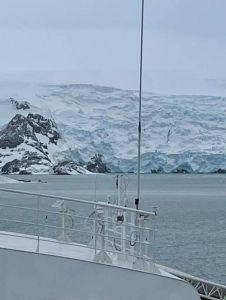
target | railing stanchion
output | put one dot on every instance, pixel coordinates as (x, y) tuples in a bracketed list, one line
[(134, 231), (37, 224), (117, 231), (95, 229), (124, 234), (103, 232)]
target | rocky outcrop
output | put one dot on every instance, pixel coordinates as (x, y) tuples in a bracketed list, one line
[(26, 163), (11, 167), (23, 129), (96, 165), (219, 171), (69, 168), (20, 104), (159, 170), (44, 126), (25, 142), (184, 168)]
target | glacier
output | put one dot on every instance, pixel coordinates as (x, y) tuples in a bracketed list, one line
[(177, 130)]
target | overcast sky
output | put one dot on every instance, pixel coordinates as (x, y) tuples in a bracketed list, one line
[(97, 41)]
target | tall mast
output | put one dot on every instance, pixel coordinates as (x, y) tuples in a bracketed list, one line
[(140, 102)]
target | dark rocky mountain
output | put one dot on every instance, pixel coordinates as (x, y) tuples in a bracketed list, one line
[(23, 129), (25, 143), (28, 144)]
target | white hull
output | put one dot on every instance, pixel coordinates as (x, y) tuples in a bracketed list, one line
[(31, 276)]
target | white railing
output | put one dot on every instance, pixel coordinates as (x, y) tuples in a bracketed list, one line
[(207, 290), (110, 230)]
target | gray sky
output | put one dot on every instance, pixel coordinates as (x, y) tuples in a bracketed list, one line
[(97, 41)]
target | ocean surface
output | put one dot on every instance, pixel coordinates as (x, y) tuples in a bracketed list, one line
[(190, 229)]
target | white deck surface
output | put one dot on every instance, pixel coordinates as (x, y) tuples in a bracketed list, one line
[(29, 243)]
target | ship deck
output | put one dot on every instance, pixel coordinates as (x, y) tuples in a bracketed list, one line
[(103, 247), (48, 246)]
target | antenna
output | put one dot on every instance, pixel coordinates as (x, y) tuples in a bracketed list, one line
[(140, 101)]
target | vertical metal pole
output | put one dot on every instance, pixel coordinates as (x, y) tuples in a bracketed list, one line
[(124, 235), (136, 237), (95, 229), (119, 190), (37, 224), (103, 233), (140, 101), (46, 228), (106, 215), (63, 235), (95, 217), (142, 240)]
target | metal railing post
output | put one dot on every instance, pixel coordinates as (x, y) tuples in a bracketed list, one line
[(37, 224), (142, 238), (124, 233), (134, 230), (63, 234), (95, 229), (103, 233), (111, 224)]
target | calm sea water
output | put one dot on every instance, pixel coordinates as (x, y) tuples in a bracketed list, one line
[(191, 222)]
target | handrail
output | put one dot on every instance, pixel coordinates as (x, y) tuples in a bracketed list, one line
[(188, 276), (206, 289), (60, 214), (68, 229), (103, 204), (114, 228)]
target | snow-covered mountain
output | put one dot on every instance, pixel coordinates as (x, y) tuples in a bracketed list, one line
[(179, 132), (27, 143)]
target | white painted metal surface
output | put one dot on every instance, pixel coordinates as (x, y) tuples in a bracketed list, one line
[(26, 276), (113, 230), (206, 289), (112, 264)]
